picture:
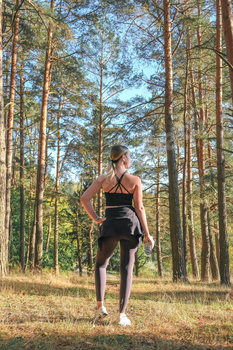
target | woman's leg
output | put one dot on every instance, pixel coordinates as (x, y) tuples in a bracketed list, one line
[(129, 246), (108, 246)]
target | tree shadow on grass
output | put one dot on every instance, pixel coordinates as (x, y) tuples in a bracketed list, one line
[(41, 289), (182, 295), (196, 296), (116, 341)]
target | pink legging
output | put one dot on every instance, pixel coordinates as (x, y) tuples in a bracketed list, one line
[(128, 247)]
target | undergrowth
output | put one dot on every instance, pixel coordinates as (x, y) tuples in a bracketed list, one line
[(49, 312)]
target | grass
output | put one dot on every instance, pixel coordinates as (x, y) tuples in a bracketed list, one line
[(51, 313)]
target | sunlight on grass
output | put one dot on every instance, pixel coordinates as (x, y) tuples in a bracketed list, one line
[(48, 312)]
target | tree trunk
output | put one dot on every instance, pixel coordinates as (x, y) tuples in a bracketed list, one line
[(33, 240), (228, 35), (78, 245), (41, 151), (158, 245), (192, 243), (29, 221), (205, 252), (216, 233), (100, 134), (22, 199), (3, 255), (14, 162), (56, 266), (184, 204), (33, 229), (213, 257), (175, 225), (9, 145), (222, 212), (49, 232)]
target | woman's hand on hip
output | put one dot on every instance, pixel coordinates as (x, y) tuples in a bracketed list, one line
[(99, 220)]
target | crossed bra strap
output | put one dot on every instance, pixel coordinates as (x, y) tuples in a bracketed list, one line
[(119, 184)]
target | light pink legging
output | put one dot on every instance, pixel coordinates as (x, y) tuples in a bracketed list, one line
[(128, 248)]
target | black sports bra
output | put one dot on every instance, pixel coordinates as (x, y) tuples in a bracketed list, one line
[(114, 198)]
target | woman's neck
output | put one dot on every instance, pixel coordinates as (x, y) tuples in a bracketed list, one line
[(120, 168)]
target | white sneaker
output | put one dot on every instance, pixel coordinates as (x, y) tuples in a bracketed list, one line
[(123, 320), (100, 313)]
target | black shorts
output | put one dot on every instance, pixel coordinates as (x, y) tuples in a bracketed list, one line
[(120, 221)]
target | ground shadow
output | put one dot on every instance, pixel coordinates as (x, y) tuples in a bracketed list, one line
[(179, 295), (117, 341)]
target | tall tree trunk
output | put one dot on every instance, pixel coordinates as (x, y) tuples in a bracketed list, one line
[(14, 161), (41, 151), (29, 221), (56, 266), (192, 243), (22, 199), (216, 233), (205, 252), (100, 133), (9, 145), (49, 232), (158, 245), (3, 255), (228, 35), (222, 212), (33, 229), (33, 239), (174, 205), (184, 204), (213, 257), (78, 245)]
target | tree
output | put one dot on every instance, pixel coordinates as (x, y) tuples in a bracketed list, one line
[(9, 147), (222, 210), (3, 255)]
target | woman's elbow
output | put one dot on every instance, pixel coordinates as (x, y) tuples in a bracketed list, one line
[(82, 199)]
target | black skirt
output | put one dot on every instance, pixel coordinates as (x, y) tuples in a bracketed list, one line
[(120, 221)]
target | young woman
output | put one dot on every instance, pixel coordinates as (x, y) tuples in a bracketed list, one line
[(122, 223)]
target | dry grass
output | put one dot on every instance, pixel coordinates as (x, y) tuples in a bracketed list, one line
[(48, 312)]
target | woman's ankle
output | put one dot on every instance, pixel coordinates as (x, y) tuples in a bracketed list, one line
[(99, 304)]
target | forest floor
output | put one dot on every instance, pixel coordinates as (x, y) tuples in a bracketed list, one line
[(54, 313)]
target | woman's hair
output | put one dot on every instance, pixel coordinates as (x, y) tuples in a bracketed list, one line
[(116, 153)]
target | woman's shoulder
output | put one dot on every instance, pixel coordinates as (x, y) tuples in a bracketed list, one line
[(134, 178), (102, 178)]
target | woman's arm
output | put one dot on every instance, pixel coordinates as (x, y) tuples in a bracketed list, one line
[(139, 208), (87, 197)]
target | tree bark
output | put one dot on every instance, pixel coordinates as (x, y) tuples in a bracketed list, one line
[(49, 232), (192, 243), (3, 255), (184, 204), (158, 245), (41, 151), (175, 225), (205, 252), (78, 245), (9, 145), (216, 233), (100, 163), (56, 265), (228, 35), (222, 211), (22, 199), (213, 257)]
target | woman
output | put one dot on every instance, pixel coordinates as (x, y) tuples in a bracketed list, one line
[(122, 223)]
